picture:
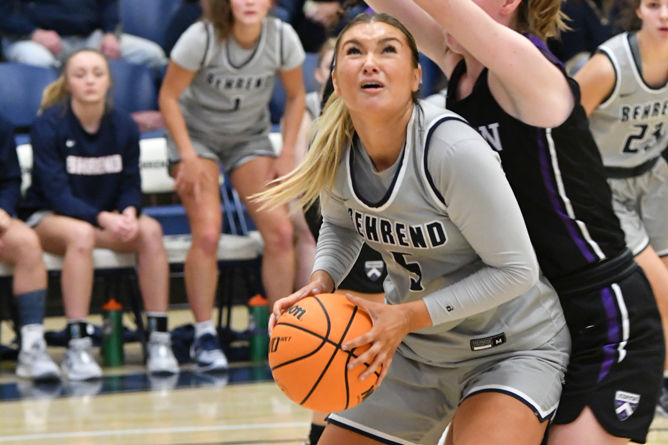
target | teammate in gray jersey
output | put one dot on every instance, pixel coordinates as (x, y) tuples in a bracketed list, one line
[(625, 93), (470, 332), (214, 99)]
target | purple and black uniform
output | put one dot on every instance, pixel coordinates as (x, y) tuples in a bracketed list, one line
[(558, 178)]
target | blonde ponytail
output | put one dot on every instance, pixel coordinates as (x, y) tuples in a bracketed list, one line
[(542, 18), (54, 93), (333, 133)]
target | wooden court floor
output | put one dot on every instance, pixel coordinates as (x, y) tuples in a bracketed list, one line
[(127, 407)]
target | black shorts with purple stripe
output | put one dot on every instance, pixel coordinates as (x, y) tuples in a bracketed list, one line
[(617, 356)]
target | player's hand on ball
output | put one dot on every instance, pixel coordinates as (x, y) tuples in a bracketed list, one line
[(390, 325), (320, 282)]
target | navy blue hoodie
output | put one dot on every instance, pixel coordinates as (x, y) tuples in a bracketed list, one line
[(79, 174), (10, 172)]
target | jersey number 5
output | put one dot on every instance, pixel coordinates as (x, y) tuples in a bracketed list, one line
[(413, 268)]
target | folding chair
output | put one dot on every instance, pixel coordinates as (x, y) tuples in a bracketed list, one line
[(21, 92)]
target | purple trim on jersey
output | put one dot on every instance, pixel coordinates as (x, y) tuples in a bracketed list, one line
[(548, 180), (545, 50), (609, 349)]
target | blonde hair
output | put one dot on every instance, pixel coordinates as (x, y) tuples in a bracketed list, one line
[(333, 131), (542, 18), (56, 92)]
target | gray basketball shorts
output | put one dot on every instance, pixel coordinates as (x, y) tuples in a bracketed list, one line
[(641, 204), (35, 218), (231, 153), (416, 401)]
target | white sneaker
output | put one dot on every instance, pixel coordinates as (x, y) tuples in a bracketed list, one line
[(160, 356), (207, 354), (35, 363), (79, 363)]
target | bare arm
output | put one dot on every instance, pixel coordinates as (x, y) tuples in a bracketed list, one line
[(189, 173), (292, 116), (596, 79), (175, 82), (524, 82), (428, 32)]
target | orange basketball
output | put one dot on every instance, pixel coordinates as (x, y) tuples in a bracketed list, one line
[(306, 358)]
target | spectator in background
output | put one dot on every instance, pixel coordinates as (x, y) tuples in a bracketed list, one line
[(214, 100), (45, 32), (20, 248), (86, 193), (188, 12), (591, 22), (317, 20)]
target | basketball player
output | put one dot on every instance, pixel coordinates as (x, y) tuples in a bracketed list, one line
[(366, 276), (511, 89), (469, 328), (20, 248), (625, 93), (214, 100), (86, 193)]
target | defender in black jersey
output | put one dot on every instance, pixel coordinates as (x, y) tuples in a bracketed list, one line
[(516, 94)]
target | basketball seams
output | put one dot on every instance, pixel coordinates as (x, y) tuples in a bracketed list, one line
[(325, 338), (331, 357), (345, 374), (296, 359), (330, 385), (325, 341)]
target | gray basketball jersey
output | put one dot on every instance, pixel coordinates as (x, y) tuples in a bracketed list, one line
[(313, 100), (450, 232), (630, 126), (227, 98)]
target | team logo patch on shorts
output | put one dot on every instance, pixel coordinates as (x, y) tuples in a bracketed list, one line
[(478, 344), (625, 404), (374, 269)]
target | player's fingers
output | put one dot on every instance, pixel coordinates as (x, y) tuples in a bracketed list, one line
[(367, 357), (357, 341), (383, 371), (357, 301), (284, 303), (272, 323), (376, 365)]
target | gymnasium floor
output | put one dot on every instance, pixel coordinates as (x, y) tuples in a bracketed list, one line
[(128, 407)]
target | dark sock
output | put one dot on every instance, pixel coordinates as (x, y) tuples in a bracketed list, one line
[(315, 433), (77, 329), (157, 322), (30, 307)]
